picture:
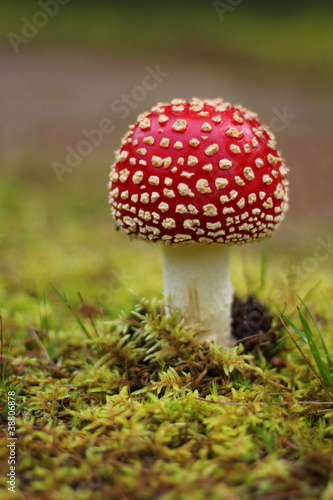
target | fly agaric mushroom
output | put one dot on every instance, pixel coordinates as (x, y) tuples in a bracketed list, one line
[(199, 176)]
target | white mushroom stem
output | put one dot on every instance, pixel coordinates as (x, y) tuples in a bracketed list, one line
[(197, 283)]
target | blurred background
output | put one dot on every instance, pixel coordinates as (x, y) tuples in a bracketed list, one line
[(67, 66)]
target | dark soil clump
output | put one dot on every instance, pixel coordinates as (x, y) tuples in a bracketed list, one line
[(252, 325)]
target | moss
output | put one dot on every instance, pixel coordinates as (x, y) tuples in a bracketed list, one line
[(126, 405), (137, 409)]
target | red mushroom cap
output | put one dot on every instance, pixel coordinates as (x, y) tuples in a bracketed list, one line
[(199, 171)]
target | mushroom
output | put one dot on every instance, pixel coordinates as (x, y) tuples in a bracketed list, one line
[(197, 177)]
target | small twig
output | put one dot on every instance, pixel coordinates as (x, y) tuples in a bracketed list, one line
[(34, 335), (89, 315), (282, 403), (64, 299)]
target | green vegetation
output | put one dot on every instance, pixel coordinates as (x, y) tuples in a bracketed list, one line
[(317, 346), (136, 409), (126, 405)]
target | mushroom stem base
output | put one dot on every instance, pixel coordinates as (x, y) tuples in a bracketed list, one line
[(197, 283)]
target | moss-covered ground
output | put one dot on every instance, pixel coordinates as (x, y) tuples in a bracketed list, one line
[(124, 404)]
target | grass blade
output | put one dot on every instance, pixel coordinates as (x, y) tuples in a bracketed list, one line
[(320, 381), (294, 327), (324, 371), (263, 267), (69, 306), (323, 343)]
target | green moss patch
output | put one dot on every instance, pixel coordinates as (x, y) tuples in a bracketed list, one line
[(134, 408)]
